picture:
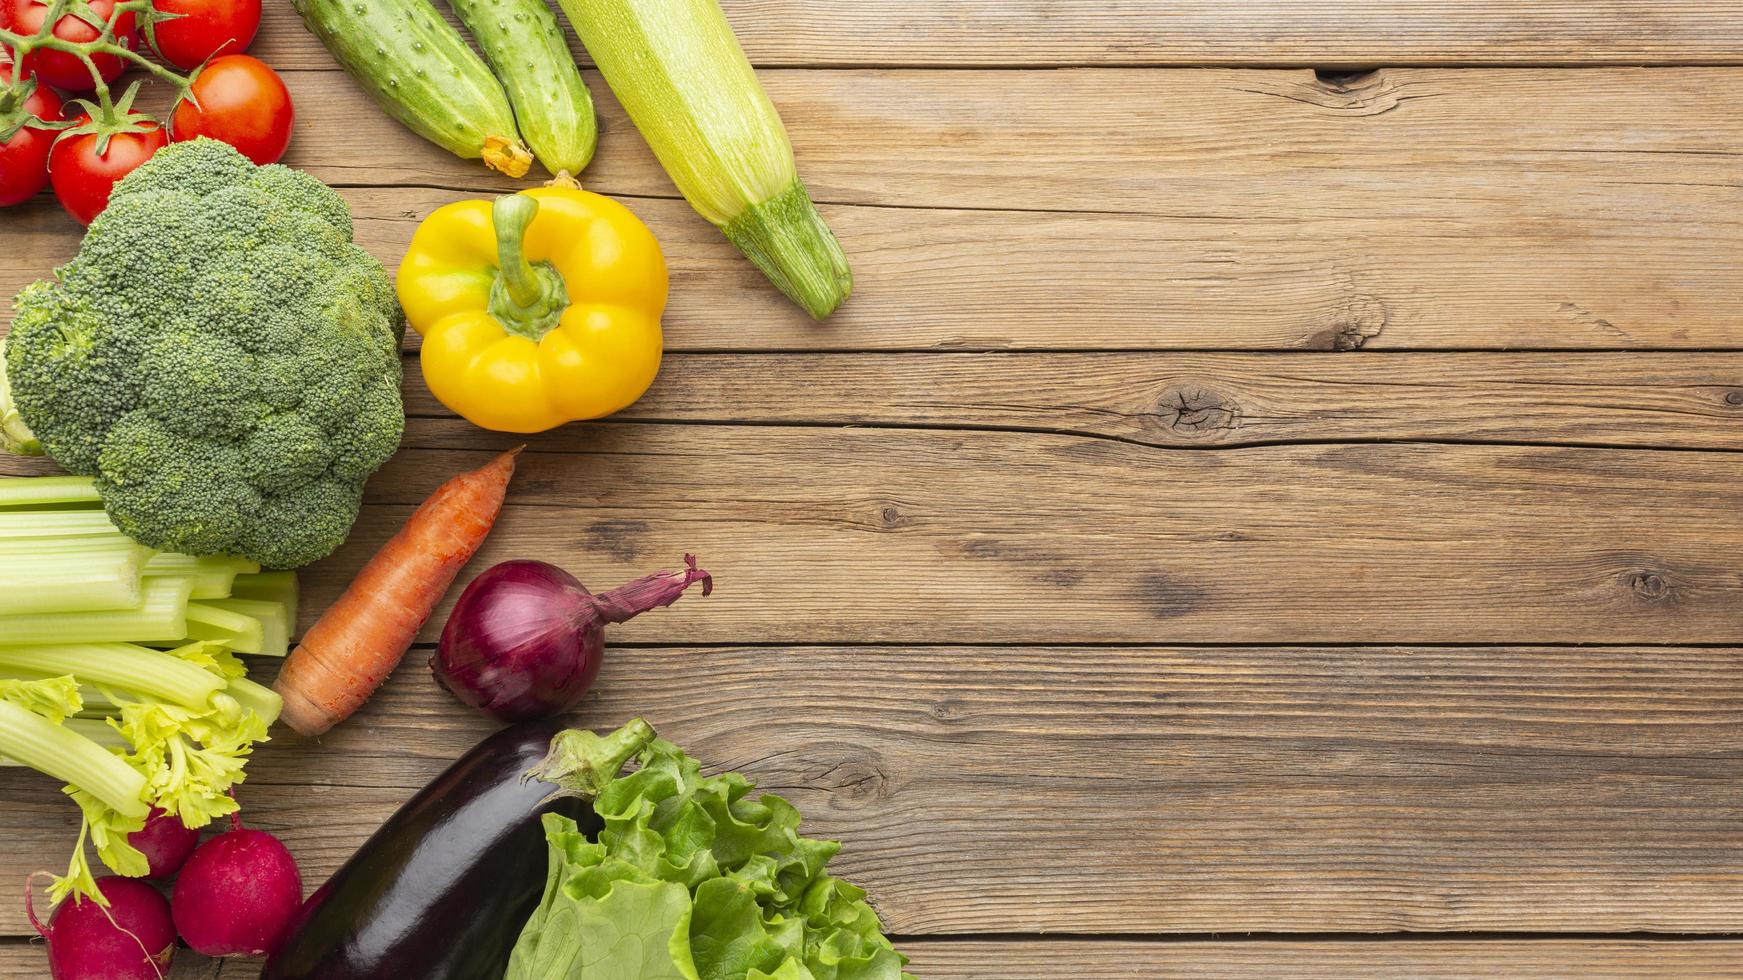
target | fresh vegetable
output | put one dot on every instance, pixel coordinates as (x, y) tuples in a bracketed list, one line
[(422, 72), (526, 49), (62, 68), (89, 159), (200, 30), (220, 357), (686, 84), (358, 641), (537, 309), (128, 936), (150, 741), (239, 100), (690, 878), (24, 140), (187, 717), (237, 895), (166, 843), (526, 639), (214, 577), (160, 618), (441, 890), (83, 45)]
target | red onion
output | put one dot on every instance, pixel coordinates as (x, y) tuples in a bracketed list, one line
[(526, 638)]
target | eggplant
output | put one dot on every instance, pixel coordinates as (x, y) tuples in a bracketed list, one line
[(442, 890)]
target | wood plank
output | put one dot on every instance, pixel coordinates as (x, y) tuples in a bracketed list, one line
[(1354, 33), (1667, 400), (1231, 960), (998, 537), (989, 537), (1138, 790), (1409, 960), (1153, 210)]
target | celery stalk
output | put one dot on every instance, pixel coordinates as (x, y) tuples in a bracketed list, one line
[(149, 673), (96, 729), (258, 698), (72, 582), (161, 616), (275, 627), (55, 524), (680, 73), (45, 491), (279, 587), (213, 576), (239, 631), (32, 740)]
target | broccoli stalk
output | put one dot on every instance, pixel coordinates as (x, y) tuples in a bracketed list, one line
[(16, 439)]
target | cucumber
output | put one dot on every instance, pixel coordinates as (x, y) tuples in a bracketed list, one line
[(522, 42), (418, 68)]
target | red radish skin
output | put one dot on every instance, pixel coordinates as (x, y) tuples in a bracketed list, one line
[(166, 843), (526, 638), (237, 895), (132, 939)]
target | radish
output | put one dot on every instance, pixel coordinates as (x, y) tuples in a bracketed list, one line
[(132, 939), (166, 843), (237, 895)]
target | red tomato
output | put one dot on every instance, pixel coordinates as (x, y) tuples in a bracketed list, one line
[(206, 28), (83, 178), (239, 100), (59, 68), (24, 157)]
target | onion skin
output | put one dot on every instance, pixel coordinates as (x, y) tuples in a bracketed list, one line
[(526, 638)]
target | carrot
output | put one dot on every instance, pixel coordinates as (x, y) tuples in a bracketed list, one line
[(358, 641)]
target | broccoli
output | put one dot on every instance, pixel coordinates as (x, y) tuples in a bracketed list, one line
[(219, 356)]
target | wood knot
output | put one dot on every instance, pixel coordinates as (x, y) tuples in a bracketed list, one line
[(1346, 79), (945, 710), (891, 517), (1734, 396), (1648, 585), (1197, 413), (1358, 318), (855, 780)]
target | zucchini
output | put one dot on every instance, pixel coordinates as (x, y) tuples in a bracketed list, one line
[(525, 47), (686, 84), (418, 68)]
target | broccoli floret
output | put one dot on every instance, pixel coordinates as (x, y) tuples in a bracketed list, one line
[(219, 355)]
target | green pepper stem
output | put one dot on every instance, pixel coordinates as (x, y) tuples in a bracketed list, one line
[(528, 298), (512, 213)]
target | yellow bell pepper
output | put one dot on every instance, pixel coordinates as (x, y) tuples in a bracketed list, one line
[(536, 309)]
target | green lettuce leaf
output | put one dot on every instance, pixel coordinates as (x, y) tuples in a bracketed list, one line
[(691, 878)]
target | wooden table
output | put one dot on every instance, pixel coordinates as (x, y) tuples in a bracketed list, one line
[(1250, 521)]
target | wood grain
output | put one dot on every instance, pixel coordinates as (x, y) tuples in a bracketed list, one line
[(1014, 537), (1002, 537), (1231, 960), (1133, 790), (1351, 33), (1425, 209), (1194, 400)]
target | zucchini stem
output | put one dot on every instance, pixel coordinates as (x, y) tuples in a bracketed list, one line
[(787, 239)]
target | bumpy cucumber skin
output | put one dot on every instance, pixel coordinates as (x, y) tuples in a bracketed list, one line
[(524, 44), (418, 68)]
